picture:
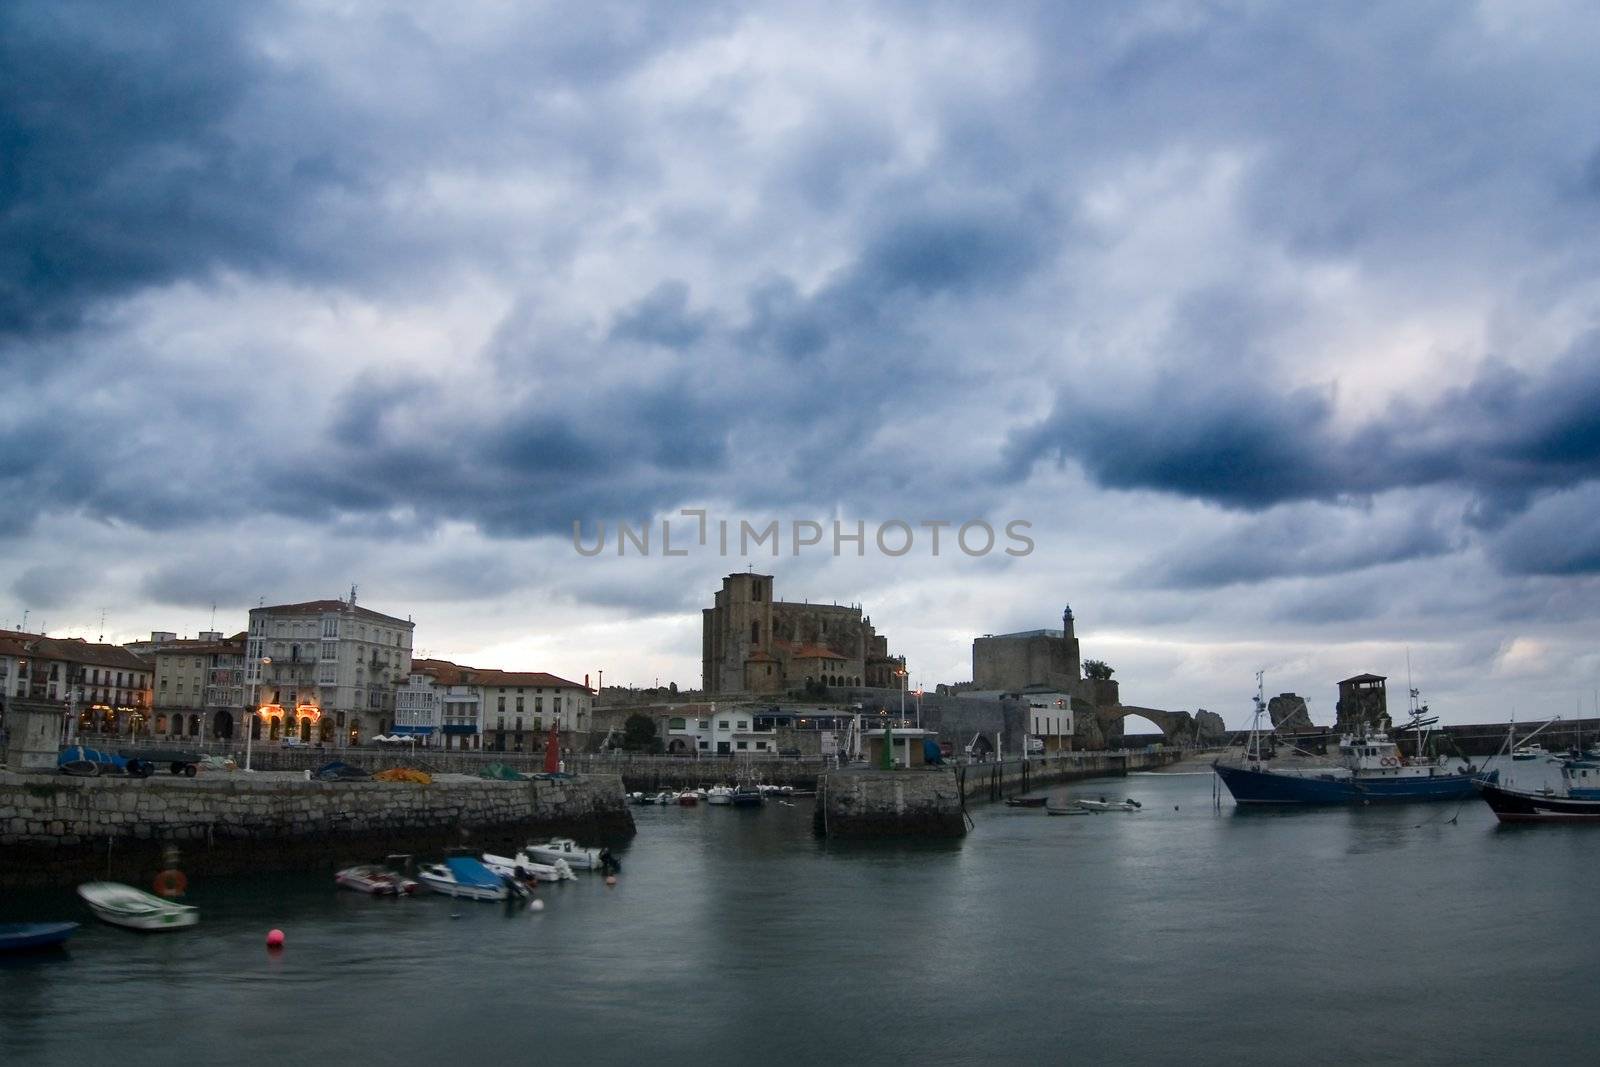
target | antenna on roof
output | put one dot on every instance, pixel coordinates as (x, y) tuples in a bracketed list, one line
[(102, 638), (352, 596), (213, 616), (24, 625)]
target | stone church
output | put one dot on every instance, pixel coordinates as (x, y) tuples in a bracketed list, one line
[(751, 643)]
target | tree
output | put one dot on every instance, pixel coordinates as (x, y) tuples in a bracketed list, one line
[(1097, 669), (639, 734)]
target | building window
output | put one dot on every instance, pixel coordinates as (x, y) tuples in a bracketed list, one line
[(722, 724), (519, 705), (705, 744), (742, 745), (755, 633), (755, 590), (502, 706)]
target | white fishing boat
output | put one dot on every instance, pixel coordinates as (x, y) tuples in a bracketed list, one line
[(719, 794), (564, 848), (123, 905), (463, 876), (523, 866), (1528, 752)]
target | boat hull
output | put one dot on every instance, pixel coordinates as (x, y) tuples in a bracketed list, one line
[(31, 937), (1256, 787), (134, 909), (1510, 805), (446, 887)]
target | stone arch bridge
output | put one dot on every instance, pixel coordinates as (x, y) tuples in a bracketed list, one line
[(1177, 727)]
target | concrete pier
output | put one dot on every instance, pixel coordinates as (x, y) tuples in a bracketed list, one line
[(55, 830), (931, 802)]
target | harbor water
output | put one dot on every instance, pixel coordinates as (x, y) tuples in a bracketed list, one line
[(1420, 934)]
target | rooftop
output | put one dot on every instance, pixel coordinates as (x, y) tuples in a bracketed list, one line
[(330, 607)]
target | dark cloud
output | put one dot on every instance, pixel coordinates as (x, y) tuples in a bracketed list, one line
[(1303, 542), (1244, 444), (662, 317), (51, 586)]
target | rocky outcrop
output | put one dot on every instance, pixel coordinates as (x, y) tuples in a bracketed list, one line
[(1289, 712), (1209, 729)]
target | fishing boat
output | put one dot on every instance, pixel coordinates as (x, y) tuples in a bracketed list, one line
[(463, 876), (746, 796), (525, 867), (568, 850), (1369, 769), (1578, 799), (376, 879), (719, 794), (31, 937), (688, 799), (123, 905)]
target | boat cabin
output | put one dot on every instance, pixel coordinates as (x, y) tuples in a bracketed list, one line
[(1582, 778)]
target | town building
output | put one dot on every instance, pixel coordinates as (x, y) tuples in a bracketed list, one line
[(721, 733), (105, 687), (325, 671), (460, 707), (199, 686), (751, 643)]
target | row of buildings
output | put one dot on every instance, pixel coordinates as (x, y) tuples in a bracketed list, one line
[(323, 672)]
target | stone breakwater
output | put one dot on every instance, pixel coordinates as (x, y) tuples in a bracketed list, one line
[(931, 801), (55, 830)]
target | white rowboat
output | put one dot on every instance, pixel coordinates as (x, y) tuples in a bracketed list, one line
[(123, 905)]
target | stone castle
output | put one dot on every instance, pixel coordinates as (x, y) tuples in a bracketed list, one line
[(752, 643)]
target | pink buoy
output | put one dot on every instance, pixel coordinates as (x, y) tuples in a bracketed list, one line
[(611, 879), (275, 939)]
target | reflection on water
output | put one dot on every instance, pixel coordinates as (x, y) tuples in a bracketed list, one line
[(1143, 937)]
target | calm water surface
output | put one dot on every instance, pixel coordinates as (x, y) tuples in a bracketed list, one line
[(1175, 935)]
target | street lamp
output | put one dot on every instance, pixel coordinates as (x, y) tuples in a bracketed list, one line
[(250, 712)]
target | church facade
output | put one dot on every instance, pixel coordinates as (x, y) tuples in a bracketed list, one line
[(752, 643)]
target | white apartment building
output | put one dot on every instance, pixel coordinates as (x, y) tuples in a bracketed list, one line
[(325, 671), (721, 733)]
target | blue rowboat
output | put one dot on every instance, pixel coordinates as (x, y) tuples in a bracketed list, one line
[(27, 937)]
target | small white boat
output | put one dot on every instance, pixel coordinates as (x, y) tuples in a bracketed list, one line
[(564, 848), (1526, 752), (123, 905), (1108, 805), (462, 876), (719, 794), (523, 866), (1074, 810), (374, 878)]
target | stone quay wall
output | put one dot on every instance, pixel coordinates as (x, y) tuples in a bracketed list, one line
[(931, 802), (858, 803), (56, 830)]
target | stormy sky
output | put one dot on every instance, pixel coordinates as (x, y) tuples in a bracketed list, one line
[(1277, 323)]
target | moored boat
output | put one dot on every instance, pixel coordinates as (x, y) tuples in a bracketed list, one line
[(463, 876), (376, 879), (1026, 802), (1370, 769), (123, 905), (1577, 801), (719, 794), (564, 848), (746, 796), (31, 937), (1528, 752), (688, 799), (523, 866)]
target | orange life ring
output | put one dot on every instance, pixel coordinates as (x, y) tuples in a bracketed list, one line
[(171, 883)]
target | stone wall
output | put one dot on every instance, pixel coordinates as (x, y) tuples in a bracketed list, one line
[(56, 829), (861, 803)]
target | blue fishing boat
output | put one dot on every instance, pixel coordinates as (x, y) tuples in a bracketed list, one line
[(1370, 769), (31, 937)]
